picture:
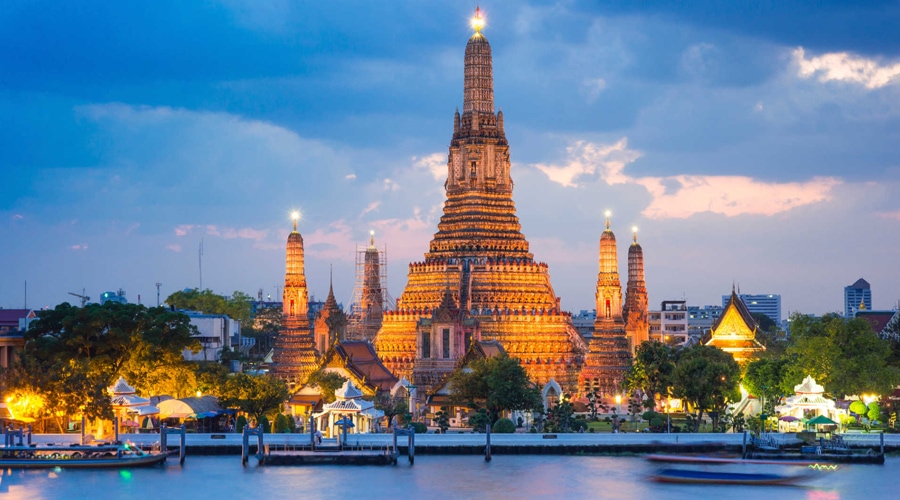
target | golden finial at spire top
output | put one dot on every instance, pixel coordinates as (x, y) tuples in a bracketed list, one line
[(608, 214), (296, 216), (477, 21), (634, 230), (372, 237)]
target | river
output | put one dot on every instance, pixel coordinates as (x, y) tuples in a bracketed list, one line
[(467, 476)]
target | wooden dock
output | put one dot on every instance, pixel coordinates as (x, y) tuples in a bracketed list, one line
[(327, 457)]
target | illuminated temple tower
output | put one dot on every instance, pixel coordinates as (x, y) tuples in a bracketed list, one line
[(609, 354), (295, 353), (478, 280), (637, 321), (330, 324)]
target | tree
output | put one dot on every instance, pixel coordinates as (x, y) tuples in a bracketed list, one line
[(595, 404), (257, 395), (72, 354), (707, 378), (560, 415), (845, 356), (770, 335), (264, 328), (859, 408), (442, 419), (392, 404), (495, 384), (239, 306), (765, 380), (327, 382), (651, 370)]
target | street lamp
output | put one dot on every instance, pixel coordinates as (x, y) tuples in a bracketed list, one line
[(618, 402)]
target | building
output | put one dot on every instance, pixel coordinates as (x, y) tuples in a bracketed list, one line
[(117, 297), (857, 296), (609, 353), (883, 322), (735, 331), (701, 319), (670, 324), (294, 357), (768, 304), (215, 333), (636, 313), (478, 270), (370, 294)]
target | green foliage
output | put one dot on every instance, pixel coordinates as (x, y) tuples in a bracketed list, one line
[(419, 427), (72, 354), (579, 425), (479, 420), (765, 380), (240, 423), (595, 404), (281, 424), (707, 378), (254, 394), (503, 426), (652, 370), (394, 405), (263, 422), (858, 407), (560, 416), (263, 329), (495, 384), (845, 356), (657, 423), (649, 415), (238, 306), (327, 382), (874, 411), (442, 420)]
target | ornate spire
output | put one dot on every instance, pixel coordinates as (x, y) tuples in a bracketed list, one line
[(478, 95), (636, 312)]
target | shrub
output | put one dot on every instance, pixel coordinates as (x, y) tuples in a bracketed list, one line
[(657, 423), (264, 423), (874, 411), (241, 423), (579, 424), (281, 425), (503, 426), (291, 423), (859, 408), (419, 428), (649, 415), (479, 420)]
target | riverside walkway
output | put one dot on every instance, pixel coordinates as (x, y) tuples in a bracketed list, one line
[(469, 443)]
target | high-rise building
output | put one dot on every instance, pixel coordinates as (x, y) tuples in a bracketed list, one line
[(294, 358), (768, 304), (479, 282), (856, 297)]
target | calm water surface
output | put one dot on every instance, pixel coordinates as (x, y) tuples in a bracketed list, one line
[(431, 477)]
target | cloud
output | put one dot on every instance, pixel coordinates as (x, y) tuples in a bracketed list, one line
[(230, 233), (371, 208), (390, 185), (593, 87), (333, 242), (17, 216), (183, 229), (436, 163), (175, 247), (82, 246), (587, 158), (846, 67), (889, 215), (350, 177), (681, 196)]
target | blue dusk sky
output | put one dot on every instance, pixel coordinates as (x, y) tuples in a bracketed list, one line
[(750, 142)]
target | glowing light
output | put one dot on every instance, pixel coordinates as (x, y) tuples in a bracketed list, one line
[(477, 21), (295, 215), (633, 229), (199, 394), (607, 213), (371, 232), (869, 398)]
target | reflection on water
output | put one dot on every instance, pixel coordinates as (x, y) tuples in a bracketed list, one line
[(432, 477)]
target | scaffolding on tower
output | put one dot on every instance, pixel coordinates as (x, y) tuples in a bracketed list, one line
[(370, 293)]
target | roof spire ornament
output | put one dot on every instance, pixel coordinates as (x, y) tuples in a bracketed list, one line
[(634, 230), (477, 21), (296, 216), (608, 214)]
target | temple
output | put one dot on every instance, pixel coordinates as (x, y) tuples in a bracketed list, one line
[(735, 331), (609, 354), (294, 358), (330, 324), (637, 309), (370, 297), (479, 281)]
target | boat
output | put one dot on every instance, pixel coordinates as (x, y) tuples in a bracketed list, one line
[(682, 476), (701, 459), (77, 457)]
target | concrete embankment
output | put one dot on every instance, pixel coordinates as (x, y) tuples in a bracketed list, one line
[(501, 444)]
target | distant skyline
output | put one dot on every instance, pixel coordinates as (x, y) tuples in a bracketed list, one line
[(754, 144)]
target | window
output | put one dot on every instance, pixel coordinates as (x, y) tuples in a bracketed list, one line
[(472, 172), (426, 345), (445, 343)]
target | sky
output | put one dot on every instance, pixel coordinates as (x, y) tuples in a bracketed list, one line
[(755, 143)]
